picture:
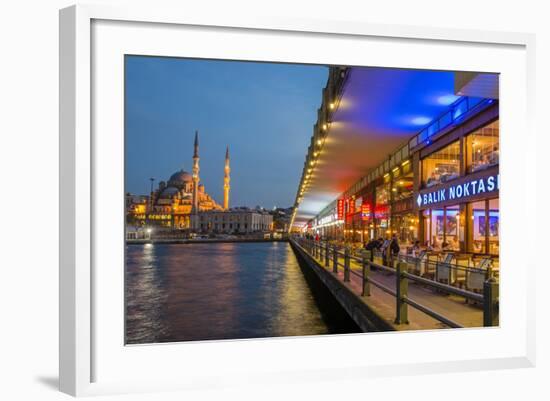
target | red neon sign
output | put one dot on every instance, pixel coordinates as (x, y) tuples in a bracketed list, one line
[(365, 211), (340, 209)]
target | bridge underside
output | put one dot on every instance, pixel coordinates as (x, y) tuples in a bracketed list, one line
[(380, 110)]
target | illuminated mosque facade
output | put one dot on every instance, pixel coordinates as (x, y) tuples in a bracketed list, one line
[(177, 202), (181, 203)]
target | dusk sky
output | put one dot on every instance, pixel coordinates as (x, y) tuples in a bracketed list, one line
[(264, 112)]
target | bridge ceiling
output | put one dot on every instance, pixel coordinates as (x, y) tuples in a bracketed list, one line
[(380, 110)]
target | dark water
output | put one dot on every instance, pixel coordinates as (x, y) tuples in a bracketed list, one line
[(182, 292)]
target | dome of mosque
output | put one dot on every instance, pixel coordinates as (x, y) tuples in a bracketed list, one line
[(181, 176)]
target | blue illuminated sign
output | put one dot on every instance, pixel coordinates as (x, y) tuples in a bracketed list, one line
[(459, 191)]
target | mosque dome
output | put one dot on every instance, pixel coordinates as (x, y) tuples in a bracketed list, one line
[(181, 176)]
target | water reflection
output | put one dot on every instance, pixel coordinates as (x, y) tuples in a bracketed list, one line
[(144, 296), (181, 292)]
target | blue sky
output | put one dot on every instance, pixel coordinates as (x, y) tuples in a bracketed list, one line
[(264, 112)]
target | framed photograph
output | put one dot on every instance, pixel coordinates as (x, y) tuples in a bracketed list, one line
[(205, 168)]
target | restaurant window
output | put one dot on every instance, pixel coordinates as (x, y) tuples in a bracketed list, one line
[(357, 203), (477, 215), (381, 211), (441, 166), (429, 230), (403, 187), (452, 228), (483, 147), (405, 226), (485, 227), (443, 228), (484, 237), (494, 244), (382, 195)]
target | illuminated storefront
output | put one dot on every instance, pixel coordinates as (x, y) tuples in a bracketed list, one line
[(457, 197), (382, 209), (441, 188)]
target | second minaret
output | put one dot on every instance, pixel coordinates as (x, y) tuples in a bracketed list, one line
[(226, 180), (195, 208)]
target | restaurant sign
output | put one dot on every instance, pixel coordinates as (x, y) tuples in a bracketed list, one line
[(365, 211), (463, 190), (340, 209)]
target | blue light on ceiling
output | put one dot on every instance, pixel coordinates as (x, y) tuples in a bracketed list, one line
[(447, 100), (420, 120), (396, 102)]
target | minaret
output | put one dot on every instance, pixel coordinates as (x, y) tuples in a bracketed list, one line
[(195, 209), (226, 180)]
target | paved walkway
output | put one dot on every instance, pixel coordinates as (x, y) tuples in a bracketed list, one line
[(383, 304)]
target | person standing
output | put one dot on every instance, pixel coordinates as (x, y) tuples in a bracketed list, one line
[(416, 248), (394, 249)]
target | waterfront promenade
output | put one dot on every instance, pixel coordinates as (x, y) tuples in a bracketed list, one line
[(382, 304)]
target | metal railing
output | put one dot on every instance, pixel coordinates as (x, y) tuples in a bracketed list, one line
[(456, 113), (334, 257)]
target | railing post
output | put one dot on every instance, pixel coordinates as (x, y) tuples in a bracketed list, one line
[(317, 249), (327, 249), (490, 302), (366, 272), (335, 260), (346, 264), (401, 289)]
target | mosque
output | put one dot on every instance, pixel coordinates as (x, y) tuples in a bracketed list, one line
[(177, 202)]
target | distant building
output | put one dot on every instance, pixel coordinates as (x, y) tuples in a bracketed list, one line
[(235, 221), (281, 218)]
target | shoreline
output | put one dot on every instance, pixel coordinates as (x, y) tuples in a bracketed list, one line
[(198, 241)]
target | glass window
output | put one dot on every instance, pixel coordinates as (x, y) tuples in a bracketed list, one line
[(452, 228), (441, 166), (477, 215), (494, 227), (436, 228), (443, 228), (427, 227), (382, 195), (405, 226), (403, 187), (483, 147)]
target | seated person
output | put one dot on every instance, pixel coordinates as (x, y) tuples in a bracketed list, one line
[(435, 244), (416, 248), (451, 244), (433, 179)]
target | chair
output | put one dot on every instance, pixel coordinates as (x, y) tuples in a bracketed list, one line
[(431, 264), (462, 265), (444, 269), (477, 276), (419, 263)]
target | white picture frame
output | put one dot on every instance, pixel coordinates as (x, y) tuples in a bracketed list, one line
[(83, 348)]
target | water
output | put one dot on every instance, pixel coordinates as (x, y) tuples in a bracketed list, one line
[(183, 292)]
